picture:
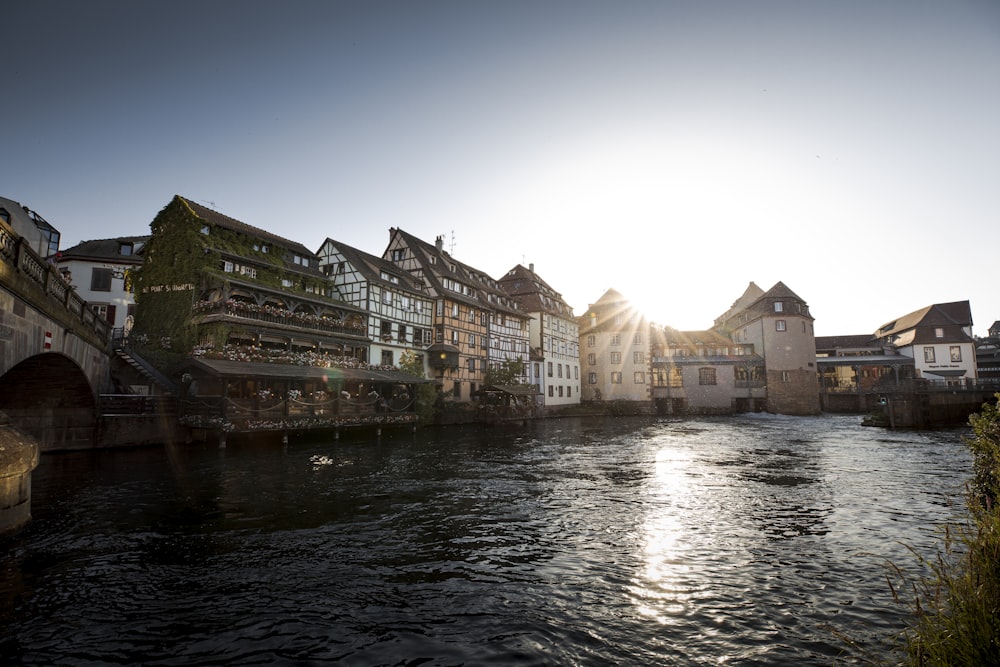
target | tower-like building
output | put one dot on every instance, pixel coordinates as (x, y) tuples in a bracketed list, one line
[(778, 325)]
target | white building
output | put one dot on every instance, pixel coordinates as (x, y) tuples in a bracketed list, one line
[(100, 270), (553, 333), (939, 340)]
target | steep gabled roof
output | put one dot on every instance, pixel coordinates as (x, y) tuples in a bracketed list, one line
[(954, 313), (446, 266), (104, 250), (372, 267), (533, 293), (216, 218), (780, 291)]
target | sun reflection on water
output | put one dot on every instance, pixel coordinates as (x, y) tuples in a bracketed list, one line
[(662, 591)]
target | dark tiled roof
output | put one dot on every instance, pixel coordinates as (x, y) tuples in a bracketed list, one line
[(225, 221), (852, 341), (533, 293), (104, 249), (371, 267), (955, 313)]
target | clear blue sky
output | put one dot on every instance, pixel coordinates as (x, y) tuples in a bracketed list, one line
[(675, 151)]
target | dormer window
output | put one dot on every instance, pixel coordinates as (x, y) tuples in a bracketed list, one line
[(779, 306), (204, 230), (939, 333), (125, 249)]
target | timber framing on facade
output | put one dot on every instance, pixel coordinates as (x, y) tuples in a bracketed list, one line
[(476, 326), (554, 336)]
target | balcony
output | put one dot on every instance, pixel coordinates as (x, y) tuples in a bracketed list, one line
[(244, 311)]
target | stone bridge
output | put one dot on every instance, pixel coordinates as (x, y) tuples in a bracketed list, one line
[(54, 351)]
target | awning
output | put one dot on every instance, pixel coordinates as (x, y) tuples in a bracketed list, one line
[(222, 368), (946, 374), (513, 389)]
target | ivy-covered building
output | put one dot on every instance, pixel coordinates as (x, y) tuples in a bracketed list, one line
[(209, 281)]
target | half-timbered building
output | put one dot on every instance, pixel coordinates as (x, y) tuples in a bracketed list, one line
[(400, 312), (475, 323), (554, 336)]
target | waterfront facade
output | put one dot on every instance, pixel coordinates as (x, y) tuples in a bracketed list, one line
[(704, 372), (476, 325), (614, 349), (400, 313), (778, 325), (554, 336), (937, 338), (214, 283)]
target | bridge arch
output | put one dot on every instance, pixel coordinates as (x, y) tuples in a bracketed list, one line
[(49, 397)]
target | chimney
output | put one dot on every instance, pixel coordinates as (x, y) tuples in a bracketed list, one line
[(531, 267), (439, 243)]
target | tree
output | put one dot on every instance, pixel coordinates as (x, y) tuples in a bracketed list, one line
[(507, 372)]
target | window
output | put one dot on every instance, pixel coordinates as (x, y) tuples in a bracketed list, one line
[(939, 333), (549, 368), (591, 341), (106, 312), (454, 337), (472, 340), (779, 325), (956, 353), (454, 310), (560, 391), (387, 357), (592, 359), (472, 315), (616, 357), (440, 308), (551, 391), (637, 339), (227, 266), (706, 376), (248, 271), (402, 333), (786, 376), (591, 378), (456, 390), (285, 282), (125, 249), (100, 280), (639, 377), (638, 358), (779, 307), (929, 355), (559, 369), (616, 378), (387, 297), (616, 339), (472, 365), (385, 329), (398, 254)]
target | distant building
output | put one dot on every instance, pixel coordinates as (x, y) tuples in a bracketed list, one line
[(938, 338), (704, 372), (42, 237), (614, 351), (988, 355), (554, 335), (101, 270), (779, 326)]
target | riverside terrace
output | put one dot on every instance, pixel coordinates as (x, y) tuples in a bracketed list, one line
[(249, 390)]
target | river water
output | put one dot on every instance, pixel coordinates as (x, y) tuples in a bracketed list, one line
[(757, 540)]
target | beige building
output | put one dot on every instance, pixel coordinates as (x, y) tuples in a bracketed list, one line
[(778, 325), (614, 351)]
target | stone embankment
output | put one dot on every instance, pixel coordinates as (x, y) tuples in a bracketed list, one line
[(18, 457)]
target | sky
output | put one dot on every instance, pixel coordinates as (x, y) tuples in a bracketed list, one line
[(673, 151)]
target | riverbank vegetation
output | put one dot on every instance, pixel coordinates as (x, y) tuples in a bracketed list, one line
[(956, 608)]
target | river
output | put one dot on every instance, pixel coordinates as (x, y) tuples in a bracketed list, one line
[(755, 540)]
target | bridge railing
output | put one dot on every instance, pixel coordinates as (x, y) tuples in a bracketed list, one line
[(31, 265)]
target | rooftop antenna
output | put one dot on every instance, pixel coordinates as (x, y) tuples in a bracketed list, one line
[(451, 246), (210, 203)]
